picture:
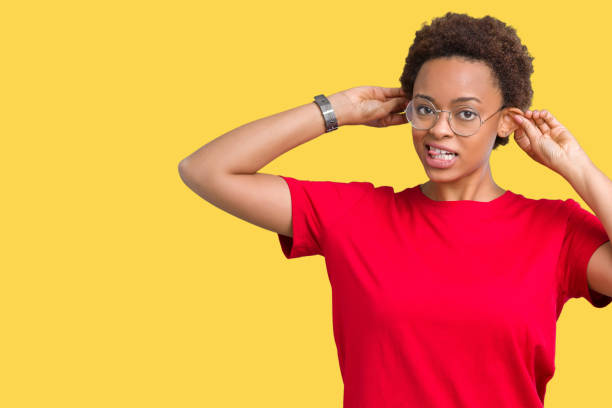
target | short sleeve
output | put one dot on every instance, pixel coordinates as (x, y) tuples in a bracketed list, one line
[(315, 208), (584, 233)]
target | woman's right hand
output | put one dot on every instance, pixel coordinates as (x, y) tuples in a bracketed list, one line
[(373, 106)]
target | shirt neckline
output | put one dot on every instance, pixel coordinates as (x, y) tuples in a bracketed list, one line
[(480, 205)]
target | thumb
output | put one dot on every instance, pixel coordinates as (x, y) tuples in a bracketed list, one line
[(395, 109), (522, 140), (398, 119)]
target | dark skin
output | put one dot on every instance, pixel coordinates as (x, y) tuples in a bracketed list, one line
[(538, 133), (442, 80), (469, 178)]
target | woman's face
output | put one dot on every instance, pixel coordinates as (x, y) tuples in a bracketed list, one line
[(442, 80)]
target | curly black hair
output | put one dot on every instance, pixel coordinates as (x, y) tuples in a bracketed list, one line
[(485, 39)]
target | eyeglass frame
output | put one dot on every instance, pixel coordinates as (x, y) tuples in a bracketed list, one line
[(450, 114)]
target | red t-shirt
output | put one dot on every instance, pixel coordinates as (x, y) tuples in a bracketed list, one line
[(444, 303)]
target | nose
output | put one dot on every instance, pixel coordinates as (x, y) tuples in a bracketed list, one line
[(442, 127)]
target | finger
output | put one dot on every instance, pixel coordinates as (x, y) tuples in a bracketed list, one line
[(396, 104), (373, 123), (393, 92), (529, 127), (541, 123), (551, 120), (531, 132)]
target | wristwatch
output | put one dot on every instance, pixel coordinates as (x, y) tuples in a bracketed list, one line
[(331, 123)]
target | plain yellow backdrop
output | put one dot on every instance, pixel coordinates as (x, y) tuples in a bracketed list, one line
[(120, 287)]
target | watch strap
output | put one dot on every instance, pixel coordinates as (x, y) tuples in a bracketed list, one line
[(331, 123)]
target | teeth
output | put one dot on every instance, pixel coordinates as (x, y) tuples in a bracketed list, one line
[(440, 151)]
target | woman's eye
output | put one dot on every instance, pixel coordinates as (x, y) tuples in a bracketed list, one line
[(424, 110), (467, 115)]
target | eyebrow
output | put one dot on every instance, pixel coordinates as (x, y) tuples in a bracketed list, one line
[(461, 99)]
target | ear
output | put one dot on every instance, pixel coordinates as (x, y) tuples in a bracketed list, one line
[(507, 125)]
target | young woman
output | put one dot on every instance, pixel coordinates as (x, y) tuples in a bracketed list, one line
[(445, 294)]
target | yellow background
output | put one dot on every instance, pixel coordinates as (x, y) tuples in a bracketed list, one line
[(120, 287)]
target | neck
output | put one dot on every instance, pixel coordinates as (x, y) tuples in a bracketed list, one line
[(475, 187)]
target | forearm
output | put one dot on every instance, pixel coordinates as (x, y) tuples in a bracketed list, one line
[(595, 188), (250, 147)]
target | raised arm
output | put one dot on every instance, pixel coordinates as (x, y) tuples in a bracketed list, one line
[(224, 171)]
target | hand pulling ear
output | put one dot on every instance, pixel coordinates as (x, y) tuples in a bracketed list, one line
[(507, 125)]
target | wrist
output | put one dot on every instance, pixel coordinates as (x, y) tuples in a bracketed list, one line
[(580, 166), (342, 108)]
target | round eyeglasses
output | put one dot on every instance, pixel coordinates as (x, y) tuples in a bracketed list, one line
[(463, 120)]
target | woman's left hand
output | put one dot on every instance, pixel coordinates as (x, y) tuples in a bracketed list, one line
[(548, 142)]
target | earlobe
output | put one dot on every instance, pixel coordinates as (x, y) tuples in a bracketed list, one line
[(507, 125)]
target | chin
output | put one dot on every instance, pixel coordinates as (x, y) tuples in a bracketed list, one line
[(442, 175), (436, 178)]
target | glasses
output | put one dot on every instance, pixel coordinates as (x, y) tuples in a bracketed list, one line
[(464, 120)]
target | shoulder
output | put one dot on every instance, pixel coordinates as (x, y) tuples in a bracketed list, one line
[(544, 204)]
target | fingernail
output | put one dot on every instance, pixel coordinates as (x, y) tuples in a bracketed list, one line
[(518, 118)]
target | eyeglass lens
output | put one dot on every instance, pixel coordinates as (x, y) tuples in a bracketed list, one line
[(423, 115)]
